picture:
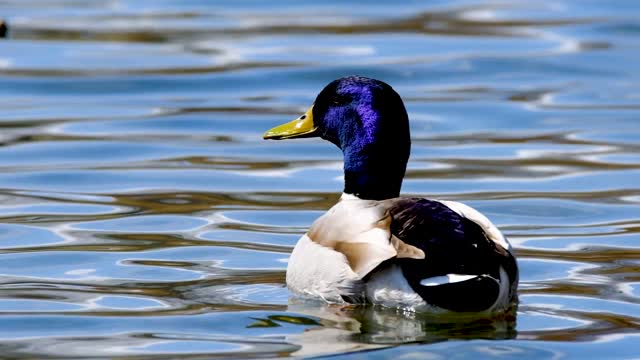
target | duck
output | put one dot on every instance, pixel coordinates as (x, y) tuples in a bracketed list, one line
[(376, 247)]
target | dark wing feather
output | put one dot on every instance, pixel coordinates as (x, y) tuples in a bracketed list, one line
[(452, 244)]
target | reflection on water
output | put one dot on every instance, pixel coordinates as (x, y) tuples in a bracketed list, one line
[(142, 216), (346, 329)]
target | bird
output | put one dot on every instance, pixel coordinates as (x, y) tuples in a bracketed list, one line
[(376, 247), (3, 28)]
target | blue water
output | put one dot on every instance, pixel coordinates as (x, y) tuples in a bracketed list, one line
[(143, 217)]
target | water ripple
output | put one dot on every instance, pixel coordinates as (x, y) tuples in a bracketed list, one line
[(143, 217)]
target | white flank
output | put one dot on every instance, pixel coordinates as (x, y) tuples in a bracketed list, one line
[(503, 296), (446, 279), (390, 288)]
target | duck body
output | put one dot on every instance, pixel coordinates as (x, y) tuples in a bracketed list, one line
[(410, 253), (376, 247)]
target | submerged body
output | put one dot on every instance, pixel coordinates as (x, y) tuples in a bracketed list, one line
[(375, 247)]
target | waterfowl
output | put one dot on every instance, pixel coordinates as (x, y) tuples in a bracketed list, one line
[(3, 28), (376, 247)]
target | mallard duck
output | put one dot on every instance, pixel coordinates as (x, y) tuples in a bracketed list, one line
[(376, 247)]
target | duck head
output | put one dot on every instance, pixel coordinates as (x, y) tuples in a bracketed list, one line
[(367, 120)]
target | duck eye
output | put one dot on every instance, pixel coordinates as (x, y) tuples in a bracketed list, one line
[(339, 99)]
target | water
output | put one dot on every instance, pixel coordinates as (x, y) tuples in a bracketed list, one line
[(142, 216)]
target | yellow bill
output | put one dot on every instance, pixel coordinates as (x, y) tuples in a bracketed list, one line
[(300, 127)]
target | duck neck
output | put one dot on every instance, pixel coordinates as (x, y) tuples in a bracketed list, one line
[(375, 172)]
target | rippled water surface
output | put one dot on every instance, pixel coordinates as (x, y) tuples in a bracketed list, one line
[(142, 216)]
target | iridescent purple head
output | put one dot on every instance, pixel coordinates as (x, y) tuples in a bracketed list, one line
[(367, 120)]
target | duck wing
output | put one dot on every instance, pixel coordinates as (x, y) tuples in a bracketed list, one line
[(466, 256)]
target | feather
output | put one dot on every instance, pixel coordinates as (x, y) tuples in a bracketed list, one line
[(361, 231)]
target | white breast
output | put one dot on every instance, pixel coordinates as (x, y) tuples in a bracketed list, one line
[(317, 271), (341, 247)]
